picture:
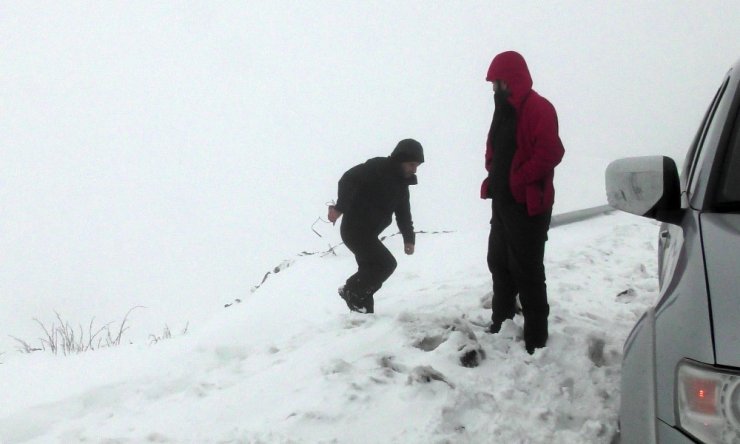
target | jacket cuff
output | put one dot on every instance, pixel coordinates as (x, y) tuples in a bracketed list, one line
[(409, 238)]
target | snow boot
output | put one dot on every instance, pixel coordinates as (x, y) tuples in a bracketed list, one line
[(355, 302), (496, 323), (494, 328), (535, 334)]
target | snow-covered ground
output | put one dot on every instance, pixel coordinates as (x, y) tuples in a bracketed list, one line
[(167, 155), (291, 364)]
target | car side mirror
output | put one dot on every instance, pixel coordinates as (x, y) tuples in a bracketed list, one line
[(645, 186)]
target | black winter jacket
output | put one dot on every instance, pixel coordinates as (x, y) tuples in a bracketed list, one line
[(371, 192)]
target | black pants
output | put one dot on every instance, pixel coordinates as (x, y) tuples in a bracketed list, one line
[(516, 251), (375, 264)]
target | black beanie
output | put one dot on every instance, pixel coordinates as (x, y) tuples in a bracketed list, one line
[(408, 150)]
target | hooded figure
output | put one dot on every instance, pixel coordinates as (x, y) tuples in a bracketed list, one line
[(522, 149), (539, 148), (368, 195)]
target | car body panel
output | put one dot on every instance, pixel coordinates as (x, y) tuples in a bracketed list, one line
[(637, 408), (670, 244), (668, 435), (682, 321), (721, 233)]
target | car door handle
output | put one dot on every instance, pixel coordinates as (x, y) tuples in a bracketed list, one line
[(665, 235)]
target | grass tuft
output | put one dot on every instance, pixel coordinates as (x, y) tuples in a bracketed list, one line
[(166, 334), (61, 338)]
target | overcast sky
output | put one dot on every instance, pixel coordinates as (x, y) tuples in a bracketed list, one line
[(150, 152)]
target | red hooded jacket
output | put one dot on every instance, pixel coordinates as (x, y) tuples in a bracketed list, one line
[(539, 148)]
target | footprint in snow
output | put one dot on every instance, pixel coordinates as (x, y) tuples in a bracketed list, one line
[(430, 343), (389, 362), (596, 351), (626, 296), (336, 366), (469, 351), (425, 374), (355, 320)]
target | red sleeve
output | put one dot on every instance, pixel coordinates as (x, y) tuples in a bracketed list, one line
[(546, 146)]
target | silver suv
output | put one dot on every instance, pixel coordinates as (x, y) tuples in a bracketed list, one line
[(681, 368)]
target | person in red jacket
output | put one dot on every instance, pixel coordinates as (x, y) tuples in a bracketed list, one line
[(522, 150)]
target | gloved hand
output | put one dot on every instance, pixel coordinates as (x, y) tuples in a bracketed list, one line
[(334, 214)]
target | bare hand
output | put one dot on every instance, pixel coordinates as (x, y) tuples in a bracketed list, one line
[(333, 214), (408, 249)]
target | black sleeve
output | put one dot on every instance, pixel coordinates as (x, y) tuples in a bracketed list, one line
[(349, 183), (403, 219)]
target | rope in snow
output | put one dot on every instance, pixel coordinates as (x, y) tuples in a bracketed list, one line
[(288, 262), (557, 220)]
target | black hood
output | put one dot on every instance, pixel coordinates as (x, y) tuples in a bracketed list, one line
[(408, 150)]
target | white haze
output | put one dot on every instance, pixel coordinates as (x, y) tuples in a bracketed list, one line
[(155, 153)]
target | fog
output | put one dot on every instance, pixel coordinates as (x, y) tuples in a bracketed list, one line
[(151, 153)]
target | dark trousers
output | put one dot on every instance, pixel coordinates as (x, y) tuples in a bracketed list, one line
[(375, 264), (516, 251)]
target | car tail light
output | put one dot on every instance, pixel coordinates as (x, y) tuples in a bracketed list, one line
[(708, 402)]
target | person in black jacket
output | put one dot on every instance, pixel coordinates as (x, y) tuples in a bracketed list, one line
[(368, 196)]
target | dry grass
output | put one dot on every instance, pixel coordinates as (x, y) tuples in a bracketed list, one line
[(62, 338), (166, 334)]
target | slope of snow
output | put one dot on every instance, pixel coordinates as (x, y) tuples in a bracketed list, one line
[(168, 154), (291, 364)]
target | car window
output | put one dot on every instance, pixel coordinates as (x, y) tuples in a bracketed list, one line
[(689, 161), (728, 192), (709, 127)]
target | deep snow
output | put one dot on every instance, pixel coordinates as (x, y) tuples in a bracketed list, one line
[(169, 154), (291, 364)]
